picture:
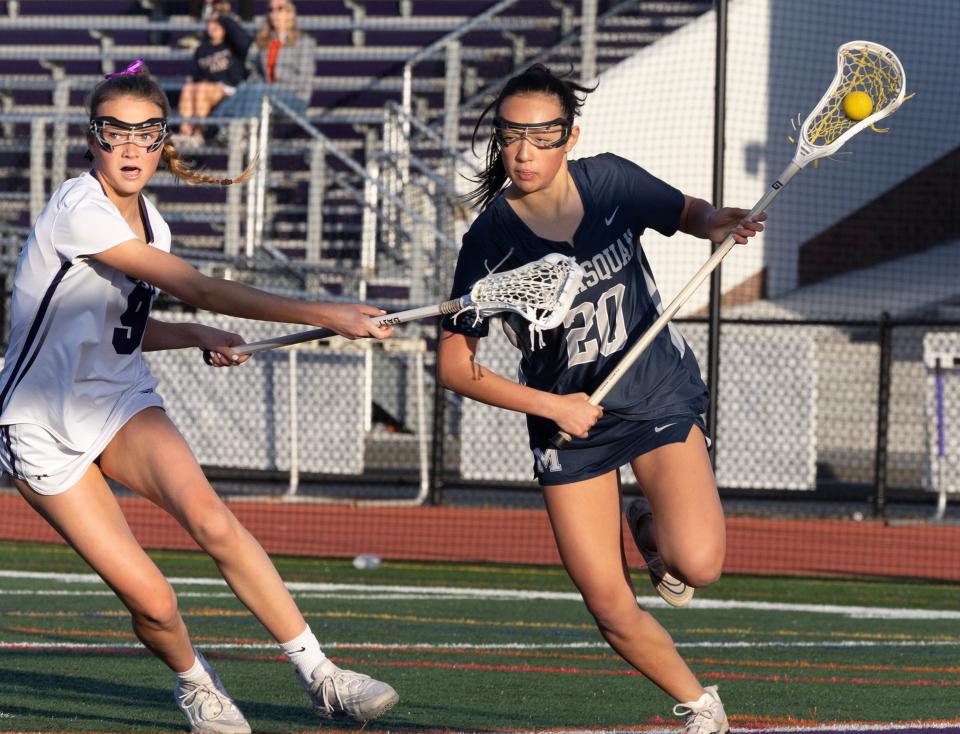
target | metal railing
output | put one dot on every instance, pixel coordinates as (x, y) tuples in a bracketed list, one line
[(48, 134)]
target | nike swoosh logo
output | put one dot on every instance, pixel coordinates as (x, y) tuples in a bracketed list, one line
[(664, 427), (609, 219)]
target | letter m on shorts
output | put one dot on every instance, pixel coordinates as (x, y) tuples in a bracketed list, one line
[(546, 460)]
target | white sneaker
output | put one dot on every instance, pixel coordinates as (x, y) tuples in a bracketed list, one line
[(337, 692), (671, 589), (705, 715), (208, 707)]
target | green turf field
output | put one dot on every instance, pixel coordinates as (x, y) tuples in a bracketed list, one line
[(475, 648)]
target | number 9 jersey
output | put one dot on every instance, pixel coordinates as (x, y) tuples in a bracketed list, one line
[(617, 301), (73, 366)]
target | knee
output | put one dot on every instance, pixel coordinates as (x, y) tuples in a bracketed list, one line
[(612, 608), (700, 568), (158, 610), (215, 529)]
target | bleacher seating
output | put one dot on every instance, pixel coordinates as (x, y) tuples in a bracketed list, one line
[(51, 55)]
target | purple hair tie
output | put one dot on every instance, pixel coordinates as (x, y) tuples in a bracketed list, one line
[(134, 68)]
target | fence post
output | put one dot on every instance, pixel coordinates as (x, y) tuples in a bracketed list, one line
[(250, 225), (38, 145), (437, 460), (231, 227), (453, 77), (588, 42), (58, 149), (262, 172), (716, 278), (357, 36), (315, 192), (883, 415), (294, 397)]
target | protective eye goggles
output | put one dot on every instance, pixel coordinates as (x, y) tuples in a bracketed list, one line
[(552, 134), (110, 132)]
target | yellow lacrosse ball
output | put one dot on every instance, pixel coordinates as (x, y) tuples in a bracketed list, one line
[(857, 105)]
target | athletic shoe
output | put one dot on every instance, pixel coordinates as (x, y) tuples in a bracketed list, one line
[(671, 589), (336, 692), (208, 708), (705, 715)]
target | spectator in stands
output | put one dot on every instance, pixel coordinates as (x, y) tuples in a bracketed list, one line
[(77, 407), (218, 68), (595, 209), (281, 63)]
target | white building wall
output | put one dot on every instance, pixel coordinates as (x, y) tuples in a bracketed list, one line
[(656, 108)]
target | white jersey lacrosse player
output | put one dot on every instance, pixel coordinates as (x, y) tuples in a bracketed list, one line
[(73, 372), (78, 406)]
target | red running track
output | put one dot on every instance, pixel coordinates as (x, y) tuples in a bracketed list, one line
[(754, 545)]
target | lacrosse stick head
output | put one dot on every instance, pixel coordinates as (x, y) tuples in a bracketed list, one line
[(541, 291), (862, 66)]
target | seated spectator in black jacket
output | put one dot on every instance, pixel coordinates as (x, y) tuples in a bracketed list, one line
[(218, 68)]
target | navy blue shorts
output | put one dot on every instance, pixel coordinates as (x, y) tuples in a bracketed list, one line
[(612, 443)]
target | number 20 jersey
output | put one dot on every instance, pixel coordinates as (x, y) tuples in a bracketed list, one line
[(74, 356), (617, 301)]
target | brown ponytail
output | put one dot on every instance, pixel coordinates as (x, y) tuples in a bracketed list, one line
[(193, 177)]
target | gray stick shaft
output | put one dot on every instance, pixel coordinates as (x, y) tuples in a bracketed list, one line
[(633, 354), (389, 319)]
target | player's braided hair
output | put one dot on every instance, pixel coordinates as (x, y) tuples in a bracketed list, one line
[(537, 79), (141, 85)]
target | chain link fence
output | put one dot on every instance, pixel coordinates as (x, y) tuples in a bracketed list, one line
[(839, 354)]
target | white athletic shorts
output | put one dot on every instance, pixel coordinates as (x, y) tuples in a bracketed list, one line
[(48, 465)]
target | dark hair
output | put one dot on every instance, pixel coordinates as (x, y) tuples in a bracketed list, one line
[(141, 85), (537, 79)]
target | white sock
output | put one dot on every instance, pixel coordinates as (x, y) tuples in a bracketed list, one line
[(195, 674), (305, 654)]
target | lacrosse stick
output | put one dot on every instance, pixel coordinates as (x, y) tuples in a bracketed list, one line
[(861, 67), (541, 292)]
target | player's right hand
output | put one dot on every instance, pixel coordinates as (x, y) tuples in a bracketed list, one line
[(217, 346), (576, 415), (354, 320)]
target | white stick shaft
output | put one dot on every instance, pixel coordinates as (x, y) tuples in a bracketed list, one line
[(701, 275), (310, 335)]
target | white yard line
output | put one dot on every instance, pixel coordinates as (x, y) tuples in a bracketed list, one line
[(372, 591), (534, 646)]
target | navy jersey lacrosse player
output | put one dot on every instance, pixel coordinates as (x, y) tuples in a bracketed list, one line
[(616, 303), (534, 201)]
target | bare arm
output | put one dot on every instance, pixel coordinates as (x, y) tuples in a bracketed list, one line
[(160, 335), (700, 219), (183, 281), (460, 372)]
